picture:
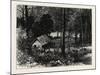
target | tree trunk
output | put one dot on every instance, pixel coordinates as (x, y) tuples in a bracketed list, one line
[(63, 36), (69, 41), (27, 31), (76, 38), (57, 34), (81, 31), (26, 19)]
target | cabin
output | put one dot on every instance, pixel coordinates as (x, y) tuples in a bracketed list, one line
[(37, 44), (40, 41)]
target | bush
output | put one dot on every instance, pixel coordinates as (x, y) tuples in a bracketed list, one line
[(22, 58), (21, 44)]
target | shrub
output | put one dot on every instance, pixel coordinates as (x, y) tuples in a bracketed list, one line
[(22, 58)]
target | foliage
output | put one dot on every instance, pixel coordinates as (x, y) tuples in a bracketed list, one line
[(44, 26), (37, 21), (22, 58)]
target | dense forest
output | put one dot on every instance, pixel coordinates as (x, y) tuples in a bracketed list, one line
[(62, 34)]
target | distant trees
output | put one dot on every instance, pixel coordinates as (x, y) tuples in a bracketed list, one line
[(82, 26), (36, 21), (78, 22), (87, 26)]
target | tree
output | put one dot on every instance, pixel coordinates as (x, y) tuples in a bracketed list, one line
[(44, 26), (63, 32), (82, 26)]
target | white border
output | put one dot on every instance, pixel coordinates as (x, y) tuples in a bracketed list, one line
[(50, 69)]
